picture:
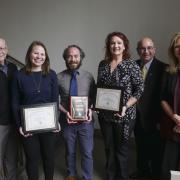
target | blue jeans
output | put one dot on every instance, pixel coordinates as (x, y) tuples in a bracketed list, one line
[(83, 133)]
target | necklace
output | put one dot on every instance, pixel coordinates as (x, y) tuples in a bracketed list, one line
[(37, 84)]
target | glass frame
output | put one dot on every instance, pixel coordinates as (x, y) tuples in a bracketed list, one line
[(39, 118), (108, 99), (79, 108)]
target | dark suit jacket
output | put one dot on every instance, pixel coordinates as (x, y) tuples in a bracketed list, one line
[(149, 108), (5, 95), (167, 124)]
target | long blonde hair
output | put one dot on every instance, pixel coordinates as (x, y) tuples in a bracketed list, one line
[(174, 63)]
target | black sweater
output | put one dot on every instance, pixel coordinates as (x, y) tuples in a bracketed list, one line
[(5, 95)]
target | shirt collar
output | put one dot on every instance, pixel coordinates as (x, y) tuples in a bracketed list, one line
[(77, 70), (4, 68), (147, 65)]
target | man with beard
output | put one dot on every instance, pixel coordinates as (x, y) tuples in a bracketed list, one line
[(76, 82)]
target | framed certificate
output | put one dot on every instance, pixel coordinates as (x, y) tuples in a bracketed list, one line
[(79, 108), (108, 99), (175, 175), (39, 117)]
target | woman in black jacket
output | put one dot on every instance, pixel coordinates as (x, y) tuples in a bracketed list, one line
[(171, 106)]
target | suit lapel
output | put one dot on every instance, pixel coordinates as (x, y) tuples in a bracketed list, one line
[(151, 70)]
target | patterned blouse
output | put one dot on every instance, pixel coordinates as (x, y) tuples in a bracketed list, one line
[(127, 77)]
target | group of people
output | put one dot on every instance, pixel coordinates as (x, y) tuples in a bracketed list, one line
[(149, 106)]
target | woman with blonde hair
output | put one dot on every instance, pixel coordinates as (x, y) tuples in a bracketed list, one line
[(171, 106)]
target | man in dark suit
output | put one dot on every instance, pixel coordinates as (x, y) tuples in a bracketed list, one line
[(8, 143), (147, 135)]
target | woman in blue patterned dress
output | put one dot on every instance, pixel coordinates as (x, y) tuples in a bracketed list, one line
[(118, 71)]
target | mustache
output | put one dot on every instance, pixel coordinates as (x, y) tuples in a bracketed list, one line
[(73, 63)]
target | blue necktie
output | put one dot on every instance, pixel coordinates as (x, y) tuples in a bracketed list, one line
[(73, 84)]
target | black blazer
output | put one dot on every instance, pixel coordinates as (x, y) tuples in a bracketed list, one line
[(149, 108), (168, 88), (168, 91), (5, 94)]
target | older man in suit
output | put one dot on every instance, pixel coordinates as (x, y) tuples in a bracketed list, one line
[(8, 142), (147, 136)]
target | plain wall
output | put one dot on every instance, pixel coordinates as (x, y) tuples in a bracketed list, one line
[(86, 22)]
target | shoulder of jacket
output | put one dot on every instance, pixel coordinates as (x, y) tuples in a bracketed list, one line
[(160, 62), (52, 71), (11, 65), (102, 62)]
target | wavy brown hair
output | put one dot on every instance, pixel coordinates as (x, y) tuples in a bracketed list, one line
[(28, 64), (174, 63), (126, 52)]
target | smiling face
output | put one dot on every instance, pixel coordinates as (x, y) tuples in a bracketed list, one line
[(177, 49), (3, 51), (73, 59), (146, 49), (37, 57), (116, 46)]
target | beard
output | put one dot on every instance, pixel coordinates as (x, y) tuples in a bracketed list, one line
[(73, 66)]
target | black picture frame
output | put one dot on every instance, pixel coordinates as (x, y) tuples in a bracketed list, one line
[(39, 118)]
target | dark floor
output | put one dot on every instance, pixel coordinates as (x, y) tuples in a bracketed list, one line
[(99, 159)]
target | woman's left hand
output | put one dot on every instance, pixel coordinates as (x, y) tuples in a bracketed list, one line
[(123, 112), (176, 118), (176, 129), (57, 130)]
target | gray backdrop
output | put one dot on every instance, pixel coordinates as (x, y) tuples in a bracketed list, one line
[(86, 22)]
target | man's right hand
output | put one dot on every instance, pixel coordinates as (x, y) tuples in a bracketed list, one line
[(69, 119)]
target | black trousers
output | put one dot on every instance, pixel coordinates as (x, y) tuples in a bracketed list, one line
[(116, 150), (36, 146), (149, 149), (171, 159)]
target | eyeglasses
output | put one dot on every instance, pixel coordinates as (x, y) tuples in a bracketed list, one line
[(3, 49), (149, 48)]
